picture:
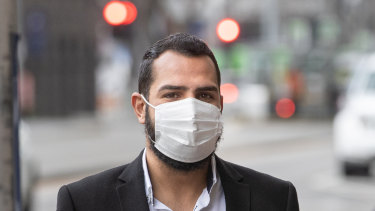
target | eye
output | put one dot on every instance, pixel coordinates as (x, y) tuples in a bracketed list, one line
[(171, 95), (205, 96)]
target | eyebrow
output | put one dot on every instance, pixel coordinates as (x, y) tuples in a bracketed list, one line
[(171, 87), (184, 88), (207, 88)]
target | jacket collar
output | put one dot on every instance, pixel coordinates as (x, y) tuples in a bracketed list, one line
[(237, 194), (131, 189)]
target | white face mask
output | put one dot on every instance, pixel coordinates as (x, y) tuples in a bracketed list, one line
[(187, 130)]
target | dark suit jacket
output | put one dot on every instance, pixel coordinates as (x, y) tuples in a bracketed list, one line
[(122, 189)]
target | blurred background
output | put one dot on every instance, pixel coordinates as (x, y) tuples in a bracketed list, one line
[(285, 64)]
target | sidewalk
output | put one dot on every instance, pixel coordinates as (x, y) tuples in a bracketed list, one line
[(245, 132), (74, 145)]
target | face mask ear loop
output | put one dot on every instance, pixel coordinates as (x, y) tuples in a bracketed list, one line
[(144, 99), (149, 137)]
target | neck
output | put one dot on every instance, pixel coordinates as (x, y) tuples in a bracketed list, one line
[(175, 188)]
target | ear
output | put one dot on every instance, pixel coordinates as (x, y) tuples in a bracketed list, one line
[(139, 107), (221, 103)]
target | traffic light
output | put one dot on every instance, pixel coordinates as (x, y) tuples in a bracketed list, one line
[(131, 12), (285, 108), (118, 13), (228, 30)]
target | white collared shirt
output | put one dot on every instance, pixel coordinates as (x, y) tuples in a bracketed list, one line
[(211, 198)]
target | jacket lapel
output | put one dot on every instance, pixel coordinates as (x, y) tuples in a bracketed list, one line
[(132, 195), (131, 187), (237, 194)]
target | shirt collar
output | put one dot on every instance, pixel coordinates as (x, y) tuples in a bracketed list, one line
[(211, 178), (148, 185)]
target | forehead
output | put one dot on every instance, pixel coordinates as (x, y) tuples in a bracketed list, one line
[(179, 69)]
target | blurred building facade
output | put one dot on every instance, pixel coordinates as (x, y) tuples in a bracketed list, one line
[(288, 46), (61, 55)]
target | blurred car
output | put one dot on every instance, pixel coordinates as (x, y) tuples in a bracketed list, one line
[(354, 124)]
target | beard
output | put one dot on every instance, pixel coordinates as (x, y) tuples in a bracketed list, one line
[(174, 164)]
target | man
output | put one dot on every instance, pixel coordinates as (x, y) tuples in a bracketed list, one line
[(180, 104)]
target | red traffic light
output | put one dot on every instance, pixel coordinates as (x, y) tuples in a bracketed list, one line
[(285, 108), (228, 30), (132, 12), (119, 13)]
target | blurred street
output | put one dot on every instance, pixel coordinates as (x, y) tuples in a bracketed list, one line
[(300, 151), (297, 80)]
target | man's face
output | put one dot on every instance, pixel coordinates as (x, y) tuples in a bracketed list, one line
[(177, 77)]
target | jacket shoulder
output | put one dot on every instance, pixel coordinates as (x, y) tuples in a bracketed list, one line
[(96, 192), (267, 192), (98, 181), (253, 176)]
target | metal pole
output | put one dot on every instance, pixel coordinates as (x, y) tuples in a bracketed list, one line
[(9, 158)]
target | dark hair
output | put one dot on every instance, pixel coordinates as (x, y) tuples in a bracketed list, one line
[(183, 43)]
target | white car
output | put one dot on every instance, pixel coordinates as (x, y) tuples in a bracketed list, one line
[(354, 124)]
